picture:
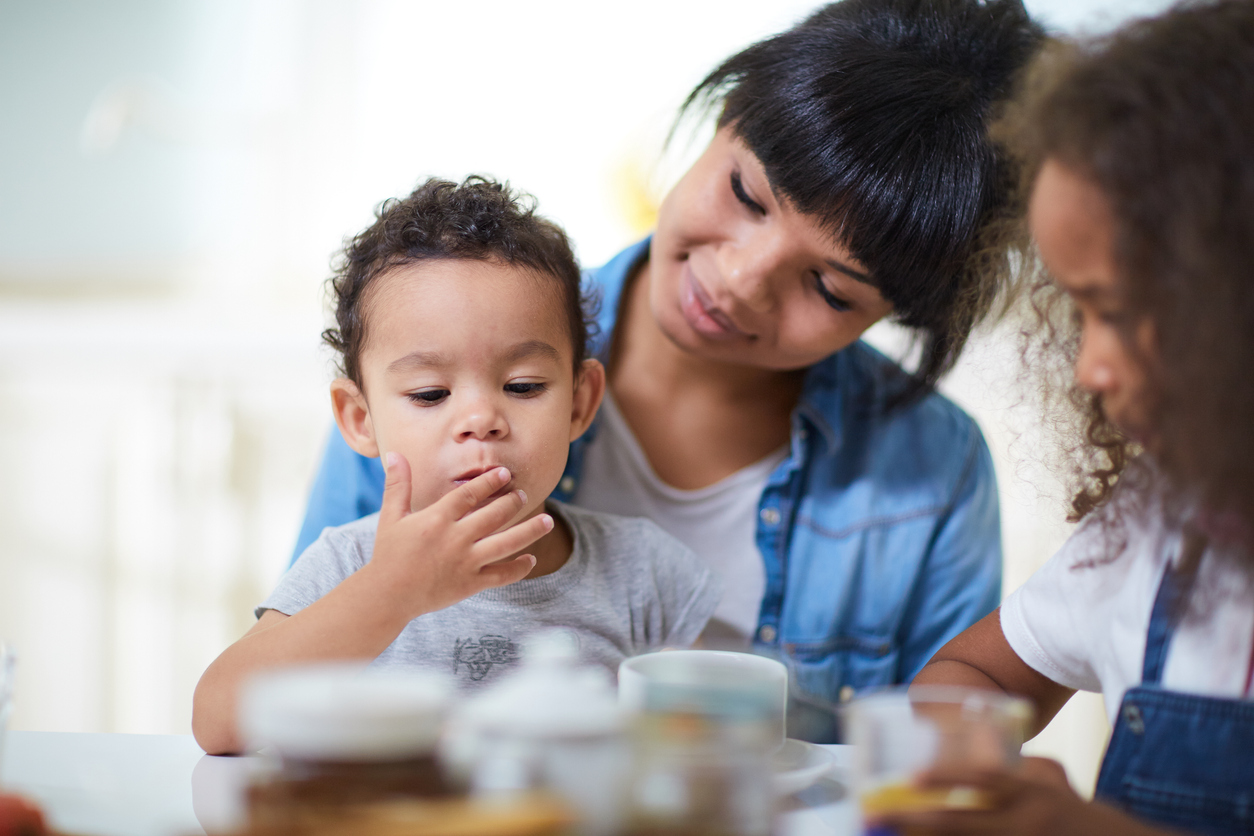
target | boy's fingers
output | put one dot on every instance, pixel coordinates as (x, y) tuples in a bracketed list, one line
[(481, 522), (500, 574), (396, 490), (469, 496), (512, 539)]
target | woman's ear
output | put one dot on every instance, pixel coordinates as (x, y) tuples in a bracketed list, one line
[(352, 416), (589, 389)]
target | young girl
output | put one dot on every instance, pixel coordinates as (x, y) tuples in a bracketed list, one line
[(850, 511), (1142, 209)]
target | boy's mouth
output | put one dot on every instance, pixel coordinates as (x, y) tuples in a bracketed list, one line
[(475, 473)]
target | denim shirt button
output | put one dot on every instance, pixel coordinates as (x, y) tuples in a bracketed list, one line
[(770, 516), (567, 485), (766, 633)]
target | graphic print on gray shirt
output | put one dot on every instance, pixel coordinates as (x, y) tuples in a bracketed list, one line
[(628, 587)]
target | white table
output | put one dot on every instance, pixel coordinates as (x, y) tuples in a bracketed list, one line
[(164, 785)]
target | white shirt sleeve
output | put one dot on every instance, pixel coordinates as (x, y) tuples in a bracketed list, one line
[(1081, 619)]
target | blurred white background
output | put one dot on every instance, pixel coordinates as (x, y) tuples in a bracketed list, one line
[(173, 179)]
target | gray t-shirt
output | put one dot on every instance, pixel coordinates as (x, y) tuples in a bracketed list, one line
[(628, 587)]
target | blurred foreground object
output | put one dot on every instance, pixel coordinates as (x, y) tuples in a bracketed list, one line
[(552, 727), (897, 734), (19, 817), (342, 736), (705, 728)]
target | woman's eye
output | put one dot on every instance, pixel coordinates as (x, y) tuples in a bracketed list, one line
[(738, 189), (428, 397), (830, 298), (525, 389)]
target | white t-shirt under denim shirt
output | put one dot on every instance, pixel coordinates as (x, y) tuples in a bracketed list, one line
[(628, 587), (1081, 619), (718, 522)]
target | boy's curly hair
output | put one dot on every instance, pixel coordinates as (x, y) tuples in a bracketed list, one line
[(478, 219), (1159, 116)]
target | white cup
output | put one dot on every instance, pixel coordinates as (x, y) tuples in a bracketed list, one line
[(711, 670)]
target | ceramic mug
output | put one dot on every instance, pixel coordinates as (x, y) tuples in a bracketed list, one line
[(757, 678)]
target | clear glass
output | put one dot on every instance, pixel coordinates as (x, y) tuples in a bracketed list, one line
[(696, 775), (897, 734)]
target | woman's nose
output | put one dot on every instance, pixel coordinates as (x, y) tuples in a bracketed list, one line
[(480, 418), (749, 269)]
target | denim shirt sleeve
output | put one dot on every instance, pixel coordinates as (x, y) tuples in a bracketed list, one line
[(960, 581), (348, 486)]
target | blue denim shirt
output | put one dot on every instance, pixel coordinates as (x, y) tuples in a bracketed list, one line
[(880, 532)]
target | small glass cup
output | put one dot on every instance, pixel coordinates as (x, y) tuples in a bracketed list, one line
[(898, 733)]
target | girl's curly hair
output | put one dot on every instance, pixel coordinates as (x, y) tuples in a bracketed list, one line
[(1159, 116)]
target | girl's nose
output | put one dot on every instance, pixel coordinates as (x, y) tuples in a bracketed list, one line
[(1093, 368), (481, 419)]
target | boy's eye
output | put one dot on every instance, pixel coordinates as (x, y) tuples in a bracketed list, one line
[(428, 397), (738, 189), (830, 298), (525, 389)]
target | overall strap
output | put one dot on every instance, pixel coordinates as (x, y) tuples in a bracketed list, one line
[(1169, 606)]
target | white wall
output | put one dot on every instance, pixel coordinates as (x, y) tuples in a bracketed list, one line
[(175, 177)]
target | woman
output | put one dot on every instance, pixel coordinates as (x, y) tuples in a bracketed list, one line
[(851, 511), (1142, 206)]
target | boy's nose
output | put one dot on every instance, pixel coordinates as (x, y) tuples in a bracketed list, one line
[(481, 420)]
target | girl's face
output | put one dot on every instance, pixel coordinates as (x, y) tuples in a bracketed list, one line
[(738, 275), (1074, 228)]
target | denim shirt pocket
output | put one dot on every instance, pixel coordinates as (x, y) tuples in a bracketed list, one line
[(822, 668), (847, 599)]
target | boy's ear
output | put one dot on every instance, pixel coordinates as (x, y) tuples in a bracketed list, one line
[(352, 416), (589, 389)]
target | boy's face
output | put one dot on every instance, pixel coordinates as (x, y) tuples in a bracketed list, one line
[(467, 366)]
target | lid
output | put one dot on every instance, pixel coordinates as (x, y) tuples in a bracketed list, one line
[(345, 712), (549, 695)]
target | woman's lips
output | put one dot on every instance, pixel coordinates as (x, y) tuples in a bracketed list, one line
[(702, 314)]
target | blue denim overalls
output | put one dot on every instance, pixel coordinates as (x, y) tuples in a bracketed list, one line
[(1177, 759)]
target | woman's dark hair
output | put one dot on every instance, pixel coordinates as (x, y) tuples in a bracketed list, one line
[(480, 220), (1160, 117), (871, 116)]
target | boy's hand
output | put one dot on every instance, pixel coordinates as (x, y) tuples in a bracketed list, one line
[(433, 558)]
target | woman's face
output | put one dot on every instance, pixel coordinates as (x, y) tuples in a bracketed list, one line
[(737, 275), (1074, 228)]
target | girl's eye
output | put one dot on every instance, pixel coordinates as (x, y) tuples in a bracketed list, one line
[(830, 298), (428, 397), (738, 189), (525, 389), (1114, 318)]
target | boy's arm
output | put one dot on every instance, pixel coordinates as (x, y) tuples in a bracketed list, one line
[(422, 562), (980, 657)]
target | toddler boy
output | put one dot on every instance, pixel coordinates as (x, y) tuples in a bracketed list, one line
[(462, 336)]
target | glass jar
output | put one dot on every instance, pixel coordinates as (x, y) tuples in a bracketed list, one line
[(701, 765), (340, 736)]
